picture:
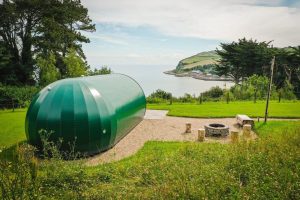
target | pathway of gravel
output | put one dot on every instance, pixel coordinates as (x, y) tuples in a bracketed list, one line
[(162, 129)]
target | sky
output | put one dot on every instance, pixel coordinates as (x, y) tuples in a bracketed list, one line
[(162, 32)]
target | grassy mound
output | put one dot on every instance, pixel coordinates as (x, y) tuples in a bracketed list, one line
[(200, 59)]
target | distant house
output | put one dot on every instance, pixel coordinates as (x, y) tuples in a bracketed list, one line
[(197, 71)]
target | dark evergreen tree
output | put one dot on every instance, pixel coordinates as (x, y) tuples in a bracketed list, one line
[(244, 58), (31, 27)]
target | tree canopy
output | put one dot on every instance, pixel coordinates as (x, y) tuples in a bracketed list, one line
[(243, 58), (102, 70), (31, 29)]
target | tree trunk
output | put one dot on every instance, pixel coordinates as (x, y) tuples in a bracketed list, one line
[(26, 54)]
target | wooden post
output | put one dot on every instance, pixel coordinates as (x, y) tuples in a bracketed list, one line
[(171, 99), (201, 135), (247, 130), (270, 88), (234, 135), (188, 128)]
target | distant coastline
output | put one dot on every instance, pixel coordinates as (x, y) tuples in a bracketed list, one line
[(198, 75), (199, 66)]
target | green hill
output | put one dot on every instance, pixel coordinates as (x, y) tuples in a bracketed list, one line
[(200, 59)]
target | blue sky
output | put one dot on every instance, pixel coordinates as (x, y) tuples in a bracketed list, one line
[(135, 32)]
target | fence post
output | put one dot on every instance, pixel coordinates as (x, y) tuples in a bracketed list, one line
[(269, 89)]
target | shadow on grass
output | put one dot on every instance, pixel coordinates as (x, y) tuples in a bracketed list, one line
[(11, 111)]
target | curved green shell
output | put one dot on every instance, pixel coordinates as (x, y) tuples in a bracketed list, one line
[(94, 112)]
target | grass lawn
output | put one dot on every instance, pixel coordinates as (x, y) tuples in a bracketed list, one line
[(268, 168), (12, 127), (265, 169), (275, 128), (221, 109)]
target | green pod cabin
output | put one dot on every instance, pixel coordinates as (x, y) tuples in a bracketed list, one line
[(94, 113)]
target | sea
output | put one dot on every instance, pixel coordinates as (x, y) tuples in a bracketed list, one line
[(151, 78)]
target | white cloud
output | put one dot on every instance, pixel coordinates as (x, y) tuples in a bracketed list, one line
[(106, 38), (104, 58), (210, 19)]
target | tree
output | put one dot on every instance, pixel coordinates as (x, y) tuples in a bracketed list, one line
[(243, 58), (75, 66), (102, 70), (288, 67), (295, 77), (15, 96), (31, 27), (255, 87), (48, 72), (282, 66), (295, 58), (287, 91), (213, 93), (6, 75), (161, 94), (259, 84)]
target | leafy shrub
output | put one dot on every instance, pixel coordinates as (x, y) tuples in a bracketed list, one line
[(227, 96), (159, 96), (156, 100), (51, 149), (287, 91), (215, 93), (253, 88), (14, 96), (187, 98)]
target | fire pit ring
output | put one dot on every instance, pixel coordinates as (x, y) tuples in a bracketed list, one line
[(216, 130)]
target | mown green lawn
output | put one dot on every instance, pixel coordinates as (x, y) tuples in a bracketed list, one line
[(221, 109), (12, 127)]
